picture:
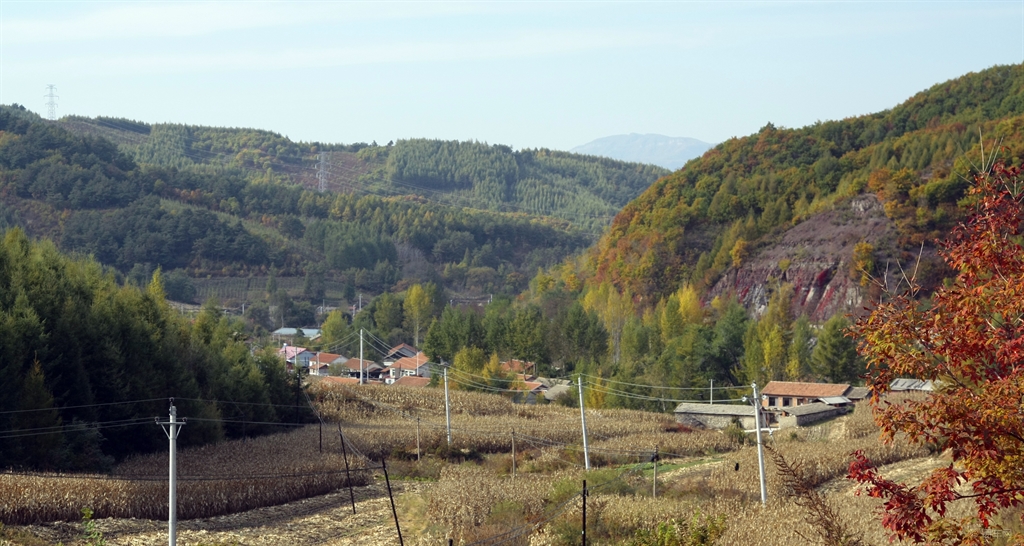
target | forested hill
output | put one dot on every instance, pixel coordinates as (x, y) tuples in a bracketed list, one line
[(581, 190), (222, 218), (696, 224)]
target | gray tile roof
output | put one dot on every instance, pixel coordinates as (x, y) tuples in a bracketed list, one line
[(808, 409), (693, 408)]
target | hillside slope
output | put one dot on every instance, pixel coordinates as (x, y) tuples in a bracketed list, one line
[(210, 219), (583, 190), (714, 215)]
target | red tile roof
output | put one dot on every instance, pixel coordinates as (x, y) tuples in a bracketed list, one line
[(804, 390), (410, 362), (518, 366), (324, 358), (353, 364), (289, 352), (411, 381), (342, 380)]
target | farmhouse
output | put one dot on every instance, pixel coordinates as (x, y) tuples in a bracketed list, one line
[(402, 350), (528, 369), (371, 370), (411, 381), (291, 333), (904, 385), (716, 415), (798, 416), (418, 366), (295, 357), (784, 394), (320, 364)]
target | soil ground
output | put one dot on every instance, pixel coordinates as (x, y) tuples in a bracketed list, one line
[(325, 520)]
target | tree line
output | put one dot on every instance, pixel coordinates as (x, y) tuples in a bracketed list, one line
[(87, 363)]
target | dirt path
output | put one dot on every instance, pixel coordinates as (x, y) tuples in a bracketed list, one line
[(324, 520)]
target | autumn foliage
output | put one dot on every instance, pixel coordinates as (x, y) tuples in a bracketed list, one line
[(969, 340)]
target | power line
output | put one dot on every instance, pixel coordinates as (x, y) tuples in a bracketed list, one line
[(62, 408)]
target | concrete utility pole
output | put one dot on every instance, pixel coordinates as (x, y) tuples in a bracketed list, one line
[(360, 356), (172, 428), (583, 420), (760, 445), (447, 406)]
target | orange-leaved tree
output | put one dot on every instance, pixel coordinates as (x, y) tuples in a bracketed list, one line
[(969, 340)]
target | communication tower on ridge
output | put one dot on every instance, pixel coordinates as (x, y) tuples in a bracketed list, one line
[(323, 166), (51, 102)]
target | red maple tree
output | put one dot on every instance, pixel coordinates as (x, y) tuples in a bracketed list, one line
[(969, 340)]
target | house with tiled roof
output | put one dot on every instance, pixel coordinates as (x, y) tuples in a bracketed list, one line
[(784, 394), (320, 364), (418, 366), (370, 369), (402, 350), (341, 380), (411, 381), (522, 367), (295, 357)]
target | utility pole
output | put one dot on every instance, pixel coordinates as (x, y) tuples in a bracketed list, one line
[(447, 406), (655, 459), (513, 454), (51, 102), (583, 419), (172, 430), (360, 356), (322, 168), (760, 445)]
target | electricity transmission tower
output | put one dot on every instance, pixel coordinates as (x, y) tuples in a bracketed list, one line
[(322, 170), (51, 102)]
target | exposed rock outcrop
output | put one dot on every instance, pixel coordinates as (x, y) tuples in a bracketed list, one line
[(814, 256)]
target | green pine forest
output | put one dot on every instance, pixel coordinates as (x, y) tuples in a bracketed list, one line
[(129, 212)]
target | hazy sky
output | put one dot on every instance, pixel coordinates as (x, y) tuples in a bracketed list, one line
[(527, 74)]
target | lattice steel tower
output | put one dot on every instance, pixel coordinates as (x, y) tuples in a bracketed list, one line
[(323, 167), (51, 102)]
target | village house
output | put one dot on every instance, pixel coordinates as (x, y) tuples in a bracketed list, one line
[(718, 416), (321, 363), (521, 367), (798, 416), (417, 365), (371, 370), (402, 350), (295, 357), (904, 384), (411, 381), (784, 394), (288, 334)]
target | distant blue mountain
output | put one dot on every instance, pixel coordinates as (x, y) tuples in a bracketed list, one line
[(661, 150)]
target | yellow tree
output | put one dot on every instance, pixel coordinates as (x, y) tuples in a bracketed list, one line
[(418, 305)]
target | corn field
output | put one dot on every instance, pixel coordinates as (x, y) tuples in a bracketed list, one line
[(481, 500), (212, 480)]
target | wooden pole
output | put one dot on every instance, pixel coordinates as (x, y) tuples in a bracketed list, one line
[(392, 497), (654, 491), (348, 476), (417, 439), (584, 512)]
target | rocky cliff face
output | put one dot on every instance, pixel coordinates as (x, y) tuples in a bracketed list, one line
[(814, 256)]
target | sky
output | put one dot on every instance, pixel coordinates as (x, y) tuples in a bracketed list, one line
[(525, 74)]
